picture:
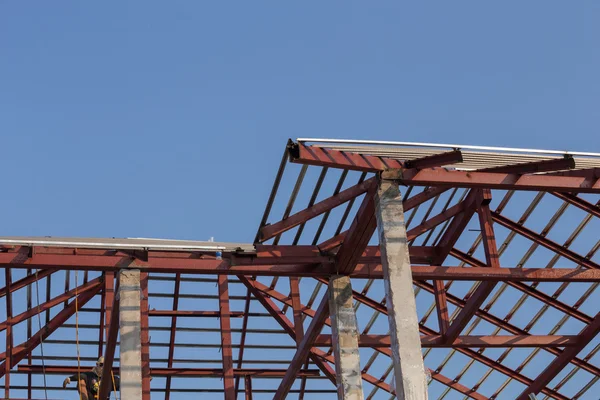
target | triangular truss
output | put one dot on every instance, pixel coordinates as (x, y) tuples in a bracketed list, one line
[(503, 250)]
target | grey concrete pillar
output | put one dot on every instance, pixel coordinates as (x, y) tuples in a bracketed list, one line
[(409, 371), (130, 331), (345, 334)]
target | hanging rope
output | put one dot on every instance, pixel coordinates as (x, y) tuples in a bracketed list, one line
[(77, 335), (37, 291), (114, 384)]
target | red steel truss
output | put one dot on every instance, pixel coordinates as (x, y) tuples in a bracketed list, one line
[(504, 266)]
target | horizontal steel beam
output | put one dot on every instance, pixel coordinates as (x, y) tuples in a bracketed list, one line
[(436, 160), (368, 268), (173, 372), (313, 155), (535, 166), (200, 314), (28, 280), (270, 231), (438, 341), (274, 260)]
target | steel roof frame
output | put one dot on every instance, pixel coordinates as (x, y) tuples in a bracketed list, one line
[(439, 202)]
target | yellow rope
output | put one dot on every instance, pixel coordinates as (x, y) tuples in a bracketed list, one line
[(77, 335), (114, 384)]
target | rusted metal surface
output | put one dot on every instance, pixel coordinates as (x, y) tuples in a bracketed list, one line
[(226, 350), (292, 221), (535, 293), (304, 348), (176, 372), (112, 330), (441, 305), (145, 333), (9, 335)]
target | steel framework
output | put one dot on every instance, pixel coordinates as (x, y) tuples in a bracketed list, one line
[(503, 250)]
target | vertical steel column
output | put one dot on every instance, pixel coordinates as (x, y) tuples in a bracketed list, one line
[(409, 371), (226, 348), (130, 330), (296, 305), (439, 292), (29, 332), (248, 387), (9, 337), (344, 329), (145, 337), (111, 304)]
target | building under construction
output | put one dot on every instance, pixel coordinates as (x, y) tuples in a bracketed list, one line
[(379, 270)]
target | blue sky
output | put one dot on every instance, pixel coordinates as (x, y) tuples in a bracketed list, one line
[(156, 119)]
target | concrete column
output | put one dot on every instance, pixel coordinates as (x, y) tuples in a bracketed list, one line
[(345, 334), (409, 371), (131, 335)]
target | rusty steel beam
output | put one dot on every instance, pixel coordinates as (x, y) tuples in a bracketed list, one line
[(267, 260), (559, 363), (541, 240), (440, 378), (28, 280), (109, 296), (578, 202), (441, 305), (591, 174), (277, 228), (47, 305), (464, 342), (455, 228), (477, 356), (297, 309), (226, 349), (370, 268), (497, 180), (435, 221), (145, 336), (21, 351), (313, 330), (363, 299), (531, 291), (248, 387), (492, 260), (103, 307), (262, 292), (174, 372), (285, 323), (9, 334), (535, 166), (500, 323), (471, 353), (452, 383), (436, 160), (112, 331), (358, 236), (320, 156), (242, 339), (408, 204), (422, 197), (196, 314), (313, 155), (482, 273), (172, 333)]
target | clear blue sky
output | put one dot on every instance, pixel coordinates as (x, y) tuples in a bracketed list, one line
[(168, 119), (147, 118)]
